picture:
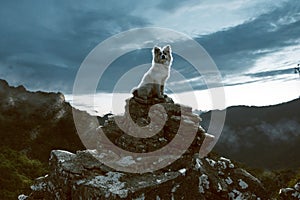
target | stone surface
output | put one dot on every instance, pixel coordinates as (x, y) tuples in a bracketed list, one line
[(84, 176), (81, 176), (290, 193)]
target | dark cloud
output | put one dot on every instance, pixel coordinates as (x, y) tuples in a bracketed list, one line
[(174, 5), (237, 48), (45, 42), (45, 77), (271, 73)]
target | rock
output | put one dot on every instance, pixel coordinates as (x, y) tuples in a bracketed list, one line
[(85, 176), (22, 197), (290, 193), (152, 101), (81, 176), (297, 186)]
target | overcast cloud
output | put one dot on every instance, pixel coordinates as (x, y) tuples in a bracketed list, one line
[(44, 42)]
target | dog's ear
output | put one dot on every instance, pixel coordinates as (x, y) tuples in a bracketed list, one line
[(167, 48), (156, 50)]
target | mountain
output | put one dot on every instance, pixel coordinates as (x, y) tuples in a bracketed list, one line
[(36, 122), (262, 137), (31, 125), (37, 125)]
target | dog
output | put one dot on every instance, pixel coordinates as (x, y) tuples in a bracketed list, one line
[(153, 82)]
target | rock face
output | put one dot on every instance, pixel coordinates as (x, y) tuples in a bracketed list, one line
[(36, 122), (84, 176), (290, 193)]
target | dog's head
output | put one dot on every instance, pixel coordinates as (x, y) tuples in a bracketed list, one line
[(162, 55)]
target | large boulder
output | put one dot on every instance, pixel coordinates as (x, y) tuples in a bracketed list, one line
[(96, 174)]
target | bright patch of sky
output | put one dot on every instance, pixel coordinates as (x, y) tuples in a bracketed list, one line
[(196, 17), (252, 94)]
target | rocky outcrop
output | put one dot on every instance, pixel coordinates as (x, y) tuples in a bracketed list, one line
[(291, 192), (81, 176), (102, 173)]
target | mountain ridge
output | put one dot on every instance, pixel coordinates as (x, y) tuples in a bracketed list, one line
[(273, 130), (36, 123)]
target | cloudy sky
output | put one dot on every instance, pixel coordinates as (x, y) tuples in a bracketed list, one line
[(252, 42)]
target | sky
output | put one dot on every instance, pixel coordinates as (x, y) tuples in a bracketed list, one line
[(255, 44)]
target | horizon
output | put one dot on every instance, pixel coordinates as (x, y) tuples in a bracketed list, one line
[(114, 102), (204, 103)]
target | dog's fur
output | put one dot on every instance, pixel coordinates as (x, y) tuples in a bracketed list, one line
[(153, 82)]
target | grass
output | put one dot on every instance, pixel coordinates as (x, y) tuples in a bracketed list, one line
[(17, 173)]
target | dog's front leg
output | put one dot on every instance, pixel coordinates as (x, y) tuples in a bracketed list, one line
[(158, 91), (162, 89)]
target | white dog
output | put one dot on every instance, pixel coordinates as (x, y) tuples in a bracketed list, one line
[(153, 82)]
